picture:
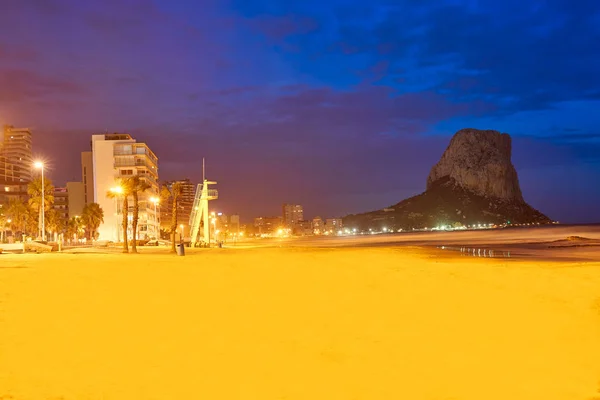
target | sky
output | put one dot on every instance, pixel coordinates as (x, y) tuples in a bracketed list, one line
[(341, 106)]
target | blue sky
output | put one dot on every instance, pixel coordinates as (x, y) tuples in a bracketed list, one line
[(342, 106)]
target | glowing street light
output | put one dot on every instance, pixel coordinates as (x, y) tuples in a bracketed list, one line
[(40, 165)]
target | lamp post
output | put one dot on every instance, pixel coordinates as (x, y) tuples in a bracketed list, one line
[(40, 165), (117, 191), (182, 231), (155, 200)]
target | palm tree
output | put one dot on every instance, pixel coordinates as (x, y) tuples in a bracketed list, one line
[(92, 216), (33, 222), (34, 190), (72, 228), (137, 186), (125, 191), (52, 221), (17, 212), (173, 193)]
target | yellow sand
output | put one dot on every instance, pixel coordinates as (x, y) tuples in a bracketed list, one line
[(297, 324)]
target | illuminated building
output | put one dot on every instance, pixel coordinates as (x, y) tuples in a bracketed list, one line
[(76, 198), (267, 225), (87, 176), (61, 203), (292, 214), (15, 148), (318, 226), (116, 156), (184, 205), (333, 225)]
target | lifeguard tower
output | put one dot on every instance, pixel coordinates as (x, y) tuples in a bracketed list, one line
[(200, 214)]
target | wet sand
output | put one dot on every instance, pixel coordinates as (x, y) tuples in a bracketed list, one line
[(543, 242)]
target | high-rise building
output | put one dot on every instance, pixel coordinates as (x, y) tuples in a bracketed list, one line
[(292, 214), (10, 186), (61, 203), (15, 148), (116, 156), (12, 190), (76, 198), (184, 205), (87, 177), (7, 171)]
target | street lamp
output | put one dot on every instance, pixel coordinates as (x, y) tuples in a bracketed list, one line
[(40, 165), (155, 200), (181, 226)]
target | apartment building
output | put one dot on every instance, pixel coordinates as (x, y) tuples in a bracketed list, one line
[(184, 205), (292, 215), (15, 150), (115, 156)]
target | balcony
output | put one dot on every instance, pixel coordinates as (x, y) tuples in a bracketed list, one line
[(133, 150), (135, 162), (150, 178)]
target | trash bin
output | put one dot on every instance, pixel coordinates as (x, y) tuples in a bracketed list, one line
[(180, 250)]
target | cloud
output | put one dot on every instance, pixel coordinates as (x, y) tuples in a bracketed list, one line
[(310, 97), (519, 56), (20, 85)]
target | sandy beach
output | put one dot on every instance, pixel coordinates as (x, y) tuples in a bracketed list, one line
[(297, 323)]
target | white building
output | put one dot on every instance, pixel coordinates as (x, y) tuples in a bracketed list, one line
[(117, 156)]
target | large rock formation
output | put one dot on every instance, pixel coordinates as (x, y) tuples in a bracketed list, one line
[(479, 161), (473, 183)]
